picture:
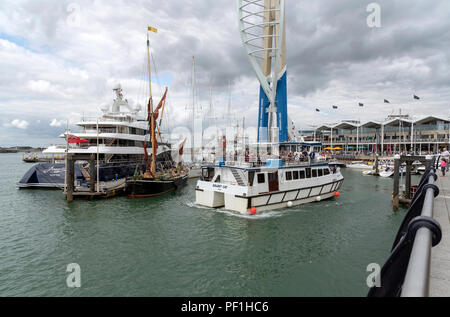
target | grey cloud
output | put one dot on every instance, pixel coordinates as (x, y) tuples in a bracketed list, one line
[(333, 57)]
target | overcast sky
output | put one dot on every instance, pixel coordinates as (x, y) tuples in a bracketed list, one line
[(60, 59)]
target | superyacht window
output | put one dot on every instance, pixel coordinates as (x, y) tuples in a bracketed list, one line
[(314, 173), (320, 172), (295, 175), (326, 171)]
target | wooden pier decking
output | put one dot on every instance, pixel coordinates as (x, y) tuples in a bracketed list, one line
[(440, 254)]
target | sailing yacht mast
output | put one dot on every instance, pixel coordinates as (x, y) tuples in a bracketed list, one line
[(193, 110), (229, 105), (150, 106)]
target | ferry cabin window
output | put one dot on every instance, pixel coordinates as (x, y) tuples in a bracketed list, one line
[(288, 176), (326, 171), (208, 174), (295, 175), (261, 178), (308, 173), (320, 172), (314, 173), (251, 177), (302, 174)]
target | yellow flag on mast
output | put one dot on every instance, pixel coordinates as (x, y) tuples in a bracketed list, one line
[(152, 29)]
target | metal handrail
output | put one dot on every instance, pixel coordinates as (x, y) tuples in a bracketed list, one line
[(417, 277), (406, 273)]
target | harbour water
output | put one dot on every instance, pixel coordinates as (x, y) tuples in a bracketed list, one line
[(166, 246)]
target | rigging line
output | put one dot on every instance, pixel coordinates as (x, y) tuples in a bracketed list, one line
[(156, 74), (143, 80), (140, 93)]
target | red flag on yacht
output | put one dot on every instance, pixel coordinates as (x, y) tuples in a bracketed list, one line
[(73, 139)]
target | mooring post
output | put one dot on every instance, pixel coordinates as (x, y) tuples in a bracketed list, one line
[(92, 173), (395, 194), (70, 178), (408, 180), (377, 172)]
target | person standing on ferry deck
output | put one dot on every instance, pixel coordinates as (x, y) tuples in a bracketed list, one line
[(312, 156)]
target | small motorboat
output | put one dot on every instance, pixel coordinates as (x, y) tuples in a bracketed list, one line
[(421, 170), (369, 172), (387, 172), (359, 165)]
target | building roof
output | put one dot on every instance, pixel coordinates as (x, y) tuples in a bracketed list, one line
[(346, 126), (397, 121), (372, 124), (325, 127), (429, 119)]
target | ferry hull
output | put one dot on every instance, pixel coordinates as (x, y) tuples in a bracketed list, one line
[(269, 201), (208, 198), (241, 204)]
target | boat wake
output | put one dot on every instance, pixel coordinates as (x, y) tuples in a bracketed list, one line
[(260, 216)]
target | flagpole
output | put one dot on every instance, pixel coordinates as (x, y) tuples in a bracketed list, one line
[(67, 153), (357, 139), (331, 142)]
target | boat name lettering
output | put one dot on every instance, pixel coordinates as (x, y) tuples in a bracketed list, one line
[(220, 186)]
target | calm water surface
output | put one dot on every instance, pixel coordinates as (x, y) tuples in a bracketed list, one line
[(167, 246)]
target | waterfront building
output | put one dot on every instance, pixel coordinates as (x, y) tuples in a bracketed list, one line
[(396, 134)]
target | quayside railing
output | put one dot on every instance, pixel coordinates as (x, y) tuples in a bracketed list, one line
[(406, 273)]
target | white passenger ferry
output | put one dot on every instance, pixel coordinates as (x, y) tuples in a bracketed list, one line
[(272, 183), (282, 174)]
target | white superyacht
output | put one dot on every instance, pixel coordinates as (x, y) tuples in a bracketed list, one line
[(116, 138)]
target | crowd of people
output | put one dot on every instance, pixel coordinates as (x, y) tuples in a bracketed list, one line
[(309, 156), (285, 156)]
